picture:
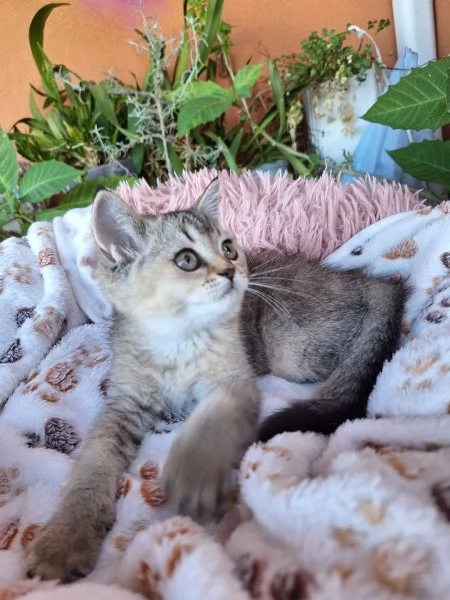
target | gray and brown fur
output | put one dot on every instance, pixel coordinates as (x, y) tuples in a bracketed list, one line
[(191, 343)]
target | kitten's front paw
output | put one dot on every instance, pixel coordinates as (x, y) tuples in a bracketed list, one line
[(198, 479), (62, 551)]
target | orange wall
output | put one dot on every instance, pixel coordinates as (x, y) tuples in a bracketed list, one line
[(90, 37)]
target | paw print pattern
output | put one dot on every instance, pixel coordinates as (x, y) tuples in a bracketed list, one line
[(13, 354), (61, 376), (61, 436)]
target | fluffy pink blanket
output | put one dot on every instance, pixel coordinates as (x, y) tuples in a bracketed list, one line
[(312, 216)]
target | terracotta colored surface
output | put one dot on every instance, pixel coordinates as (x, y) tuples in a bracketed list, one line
[(91, 36), (442, 20)]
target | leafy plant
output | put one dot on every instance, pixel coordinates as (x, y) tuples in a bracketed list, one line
[(20, 195), (321, 74), (175, 118), (327, 57), (420, 100), (81, 195), (77, 114)]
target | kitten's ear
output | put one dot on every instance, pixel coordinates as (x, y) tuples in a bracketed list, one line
[(209, 202), (118, 231)]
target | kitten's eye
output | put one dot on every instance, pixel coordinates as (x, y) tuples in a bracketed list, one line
[(229, 251), (187, 260)]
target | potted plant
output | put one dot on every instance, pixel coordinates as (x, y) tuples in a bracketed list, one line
[(176, 118), (73, 120), (338, 83)]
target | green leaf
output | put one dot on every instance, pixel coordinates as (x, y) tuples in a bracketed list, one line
[(278, 95), (137, 156), (182, 59), (175, 160), (72, 97), (236, 143), (212, 24), (106, 107), (44, 180), (206, 102), (245, 79), (55, 124), (37, 26), (82, 195), (426, 161), (36, 40), (224, 150), (299, 167), (417, 101), (50, 213), (36, 113), (9, 167)]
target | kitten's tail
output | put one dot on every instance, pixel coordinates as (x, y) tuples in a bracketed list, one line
[(344, 395)]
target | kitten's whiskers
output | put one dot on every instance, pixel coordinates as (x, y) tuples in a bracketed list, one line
[(286, 290), (279, 308)]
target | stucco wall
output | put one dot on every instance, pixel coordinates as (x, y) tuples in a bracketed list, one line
[(90, 36)]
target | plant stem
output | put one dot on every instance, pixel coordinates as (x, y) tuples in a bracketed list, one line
[(159, 111), (254, 126)]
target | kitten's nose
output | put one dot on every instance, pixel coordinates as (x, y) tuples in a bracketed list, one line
[(228, 273)]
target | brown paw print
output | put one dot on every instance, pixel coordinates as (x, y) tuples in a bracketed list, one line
[(33, 439), (62, 377), (49, 397), (149, 581), (149, 470), (61, 436), (445, 259), (21, 273), (28, 535), (49, 322), (5, 483), (178, 552), (123, 487), (8, 533), (405, 249), (398, 565), (153, 494), (47, 257), (441, 495), (250, 572), (445, 207), (13, 353), (289, 586), (27, 312), (436, 316)]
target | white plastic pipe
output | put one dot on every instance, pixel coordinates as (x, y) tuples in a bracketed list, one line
[(414, 28)]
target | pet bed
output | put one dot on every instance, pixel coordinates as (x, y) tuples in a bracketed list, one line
[(361, 515)]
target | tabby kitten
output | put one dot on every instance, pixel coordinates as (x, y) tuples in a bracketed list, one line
[(191, 330)]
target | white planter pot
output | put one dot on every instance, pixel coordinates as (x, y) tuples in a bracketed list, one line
[(333, 115)]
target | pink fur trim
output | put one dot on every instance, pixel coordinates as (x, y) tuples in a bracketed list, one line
[(311, 216)]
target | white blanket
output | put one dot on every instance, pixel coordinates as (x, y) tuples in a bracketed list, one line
[(360, 515)]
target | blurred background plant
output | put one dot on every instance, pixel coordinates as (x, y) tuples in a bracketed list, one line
[(191, 109), (176, 118), (419, 101), (334, 78), (21, 193), (329, 57)]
